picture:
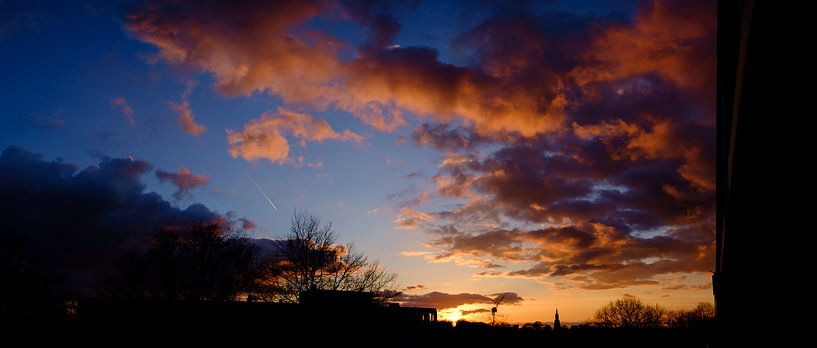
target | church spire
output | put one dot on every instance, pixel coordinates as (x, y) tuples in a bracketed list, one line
[(556, 324)]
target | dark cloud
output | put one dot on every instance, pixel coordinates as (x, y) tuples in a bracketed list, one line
[(441, 300), (595, 256), (508, 298), (415, 287), (441, 137), (409, 196), (414, 175), (376, 17), (247, 224), (80, 221)]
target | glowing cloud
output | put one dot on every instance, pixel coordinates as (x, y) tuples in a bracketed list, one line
[(186, 118), (263, 137)]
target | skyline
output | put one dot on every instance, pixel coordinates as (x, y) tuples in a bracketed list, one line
[(559, 151)]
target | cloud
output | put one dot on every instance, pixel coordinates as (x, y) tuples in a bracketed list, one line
[(184, 180), (441, 300), (618, 191), (247, 224), (595, 257), (414, 175), (415, 287), (676, 39), (415, 253), (619, 218), (278, 55), (121, 104), (525, 65), (409, 218), (50, 125), (81, 220), (54, 121), (263, 137), (249, 48), (475, 311), (186, 118), (441, 137)]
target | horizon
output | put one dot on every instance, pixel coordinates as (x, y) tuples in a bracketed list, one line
[(562, 152)]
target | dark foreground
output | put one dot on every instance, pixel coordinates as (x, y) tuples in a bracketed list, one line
[(274, 325)]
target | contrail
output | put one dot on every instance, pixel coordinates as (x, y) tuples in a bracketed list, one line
[(260, 190)]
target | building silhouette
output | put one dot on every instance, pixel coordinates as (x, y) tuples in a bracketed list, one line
[(342, 307), (556, 324)]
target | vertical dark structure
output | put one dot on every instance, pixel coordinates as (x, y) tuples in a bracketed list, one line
[(556, 323), (747, 118), (734, 28)]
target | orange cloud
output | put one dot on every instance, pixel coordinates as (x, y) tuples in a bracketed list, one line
[(264, 48), (675, 39), (263, 137), (605, 129), (413, 79), (250, 48), (186, 118), (517, 85)]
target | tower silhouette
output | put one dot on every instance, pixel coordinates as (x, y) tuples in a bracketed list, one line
[(556, 324)]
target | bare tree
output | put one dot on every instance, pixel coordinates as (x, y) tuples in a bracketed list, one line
[(702, 314), (30, 289), (310, 259), (629, 312), (202, 263)]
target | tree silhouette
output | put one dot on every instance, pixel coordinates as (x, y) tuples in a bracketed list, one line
[(310, 259), (702, 314), (629, 312), (202, 263), (29, 288)]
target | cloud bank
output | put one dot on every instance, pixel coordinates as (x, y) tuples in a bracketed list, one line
[(79, 221), (441, 300), (575, 149)]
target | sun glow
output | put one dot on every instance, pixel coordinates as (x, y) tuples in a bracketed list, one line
[(454, 316)]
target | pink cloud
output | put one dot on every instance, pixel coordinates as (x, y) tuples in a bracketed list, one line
[(184, 180), (121, 104)]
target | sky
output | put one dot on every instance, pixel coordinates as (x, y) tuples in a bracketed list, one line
[(559, 152)]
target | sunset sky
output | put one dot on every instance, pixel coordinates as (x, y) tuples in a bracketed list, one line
[(560, 151)]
